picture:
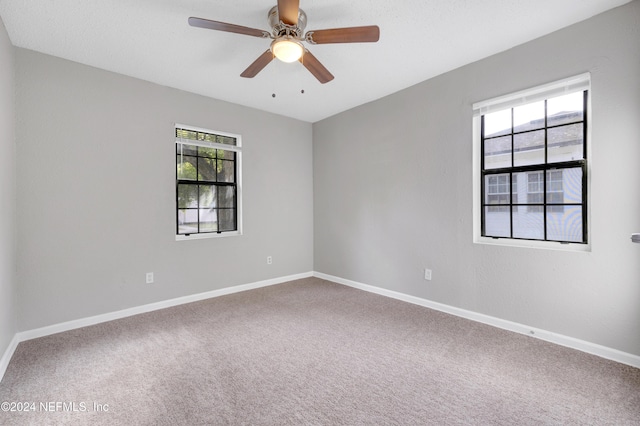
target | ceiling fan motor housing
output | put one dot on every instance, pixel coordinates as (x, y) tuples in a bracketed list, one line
[(280, 29)]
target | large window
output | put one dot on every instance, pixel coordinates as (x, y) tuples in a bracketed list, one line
[(533, 163), (207, 183)]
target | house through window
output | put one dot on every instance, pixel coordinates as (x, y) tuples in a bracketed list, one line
[(536, 192), (500, 192), (533, 164)]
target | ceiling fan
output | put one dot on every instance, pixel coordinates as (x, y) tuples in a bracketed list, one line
[(288, 22)]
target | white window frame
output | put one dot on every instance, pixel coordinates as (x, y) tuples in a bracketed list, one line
[(565, 86), (235, 148)]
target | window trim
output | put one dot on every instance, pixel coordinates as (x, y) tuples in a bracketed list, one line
[(572, 84), (237, 148)]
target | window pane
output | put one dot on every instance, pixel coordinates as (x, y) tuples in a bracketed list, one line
[(186, 134), (554, 180), (207, 152), (187, 196), (497, 123), (565, 143), (226, 171), (535, 183), (186, 149), (186, 167), (207, 169), (227, 155), (207, 196), (528, 222), (519, 188), (227, 220), (528, 117), (535, 192), (205, 136), (528, 148), (535, 198), (227, 196), (497, 223), (555, 191), (227, 140), (497, 153), (497, 189), (565, 109), (565, 225), (187, 221), (568, 182), (208, 220)]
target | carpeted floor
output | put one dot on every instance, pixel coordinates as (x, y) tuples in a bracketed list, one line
[(310, 352)]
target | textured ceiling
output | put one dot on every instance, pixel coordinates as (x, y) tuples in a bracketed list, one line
[(419, 39)]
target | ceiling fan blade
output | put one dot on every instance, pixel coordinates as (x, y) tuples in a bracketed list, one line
[(257, 65), (315, 67), (288, 11), (230, 28), (370, 33)]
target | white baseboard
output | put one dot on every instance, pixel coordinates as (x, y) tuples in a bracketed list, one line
[(559, 339), (83, 322), (581, 345), (97, 319), (6, 357)]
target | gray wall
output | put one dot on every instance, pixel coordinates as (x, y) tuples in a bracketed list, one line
[(393, 191), (8, 311), (96, 193)]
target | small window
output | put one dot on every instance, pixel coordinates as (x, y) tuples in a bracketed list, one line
[(500, 192), (207, 183), (555, 194), (533, 164)]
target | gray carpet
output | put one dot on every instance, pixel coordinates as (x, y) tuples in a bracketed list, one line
[(311, 352)]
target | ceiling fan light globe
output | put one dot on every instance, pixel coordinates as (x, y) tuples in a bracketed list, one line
[(287, 50)]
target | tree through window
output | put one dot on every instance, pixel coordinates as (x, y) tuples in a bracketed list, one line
[(207, 177)]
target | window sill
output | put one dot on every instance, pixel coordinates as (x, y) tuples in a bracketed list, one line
[(207, 236), (545, 245)]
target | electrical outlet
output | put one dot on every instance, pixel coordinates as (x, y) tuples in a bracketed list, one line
[(427, 274), (149, 277), (269, 260)]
